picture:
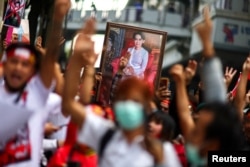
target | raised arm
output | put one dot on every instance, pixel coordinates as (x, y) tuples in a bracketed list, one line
[(190, 70), (239, 101), (86, 84), (61, 7), (59, 79), (211, 72), (204, 31), (182, 102), (83, 56), (57, 70), (229, 75)]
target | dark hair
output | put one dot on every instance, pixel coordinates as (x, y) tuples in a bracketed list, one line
[(167, 122), (139, 33), (37, 55), (226, 126), (29, 47)]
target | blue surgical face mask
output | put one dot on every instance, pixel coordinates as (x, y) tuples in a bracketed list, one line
[(129, 114), (194, 157)]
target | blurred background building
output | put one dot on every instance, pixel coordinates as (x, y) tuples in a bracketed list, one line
[(177, 17), (231, 19)]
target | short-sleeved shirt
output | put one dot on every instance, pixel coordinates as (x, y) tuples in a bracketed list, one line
[(56, 117), (28, 139), (117, 152)]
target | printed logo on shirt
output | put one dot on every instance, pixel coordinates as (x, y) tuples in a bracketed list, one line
[(17, 149)]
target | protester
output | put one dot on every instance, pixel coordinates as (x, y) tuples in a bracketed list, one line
[(218, 126), (162, 96), (130, 134), (161, 126), (27, 83)]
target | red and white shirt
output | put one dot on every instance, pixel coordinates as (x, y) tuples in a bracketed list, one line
[(24, 148)]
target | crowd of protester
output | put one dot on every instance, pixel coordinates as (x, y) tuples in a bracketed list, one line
[(140, 128)]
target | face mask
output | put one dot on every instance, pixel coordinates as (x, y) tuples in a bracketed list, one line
[(129, 114), (193, 156)]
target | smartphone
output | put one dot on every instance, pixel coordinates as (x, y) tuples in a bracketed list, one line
[(164, 81), (61, 126)]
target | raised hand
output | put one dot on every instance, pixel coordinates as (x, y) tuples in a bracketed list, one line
[(61, 9), (190, 70), (246, 65), (177, 73), (182, 102), (98, 77), (229, 74), (39, 46), (38, 42), (54, 33), (240, 97), (248, 97), (204, 30), (84, 46), (163, 93)]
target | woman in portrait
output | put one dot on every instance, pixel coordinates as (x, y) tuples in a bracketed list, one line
[(137, 57)]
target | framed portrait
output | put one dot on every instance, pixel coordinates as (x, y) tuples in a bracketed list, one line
[(129, 51), (14, 13)]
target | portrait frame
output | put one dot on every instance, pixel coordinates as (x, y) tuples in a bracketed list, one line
[(121, 41), (14, 13)]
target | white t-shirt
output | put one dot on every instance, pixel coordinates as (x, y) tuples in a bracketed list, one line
[(117, 153), (28, 140), (56, 117), (171, 155)]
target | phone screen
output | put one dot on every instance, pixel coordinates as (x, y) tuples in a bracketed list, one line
[(165, 82)]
